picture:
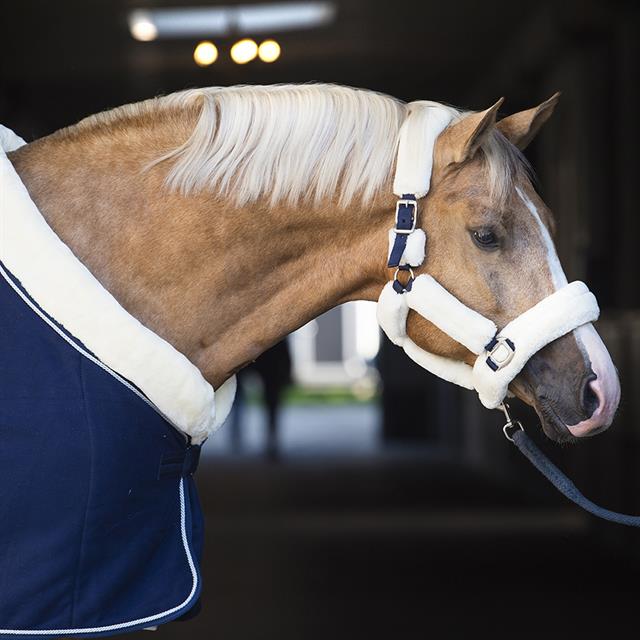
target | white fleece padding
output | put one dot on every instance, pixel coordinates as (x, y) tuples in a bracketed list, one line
[(425, 121), (433, 302), (560, 313), (9, 141), (65, 289), (450, 370), (392, 310), (556, 315), (224, 397), (414, 251)]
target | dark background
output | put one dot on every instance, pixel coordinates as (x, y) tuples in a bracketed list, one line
[(410, 541)]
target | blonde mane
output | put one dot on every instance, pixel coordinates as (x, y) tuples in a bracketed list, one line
[(295, 142)]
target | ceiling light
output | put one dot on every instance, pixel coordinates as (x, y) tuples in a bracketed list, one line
[(142, 26), (205, 53), (284, 16), (190, 22), (244, 51), (269, 51)]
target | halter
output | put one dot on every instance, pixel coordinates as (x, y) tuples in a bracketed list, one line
[(501, 354)]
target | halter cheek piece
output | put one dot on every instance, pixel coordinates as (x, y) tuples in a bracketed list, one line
[(500, 354)]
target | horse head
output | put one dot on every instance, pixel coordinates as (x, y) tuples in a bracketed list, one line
[(490, 244)]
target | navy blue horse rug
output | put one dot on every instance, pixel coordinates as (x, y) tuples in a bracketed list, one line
[(100, 525)]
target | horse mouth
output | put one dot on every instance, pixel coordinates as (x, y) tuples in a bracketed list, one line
[(552, 424)]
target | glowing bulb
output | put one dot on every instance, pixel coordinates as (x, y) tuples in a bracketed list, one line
[(142, 27), (205, 53), (269, 51), (244, 51)]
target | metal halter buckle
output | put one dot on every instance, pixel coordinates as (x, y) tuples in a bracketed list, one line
[(404, 202), (512, 425), (501, 353)]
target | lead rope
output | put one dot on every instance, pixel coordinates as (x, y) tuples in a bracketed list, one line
[(515, 433)]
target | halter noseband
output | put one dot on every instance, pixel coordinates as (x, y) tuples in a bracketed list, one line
[(501, 354)]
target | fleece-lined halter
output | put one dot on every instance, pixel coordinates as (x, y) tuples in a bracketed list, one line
[(501, 354)]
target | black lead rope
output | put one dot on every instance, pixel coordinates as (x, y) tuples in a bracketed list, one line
[(514, 432)]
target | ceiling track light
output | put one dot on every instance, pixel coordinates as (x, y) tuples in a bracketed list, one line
[(205, 53), (222, 21), (242, 52), (269, 51)]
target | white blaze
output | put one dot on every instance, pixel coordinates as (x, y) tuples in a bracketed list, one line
[(606, 386), (558, 277)]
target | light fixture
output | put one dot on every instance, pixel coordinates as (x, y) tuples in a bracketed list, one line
[(210, 22), (142, 26), (244, 51), (269, 51), (205, 53)]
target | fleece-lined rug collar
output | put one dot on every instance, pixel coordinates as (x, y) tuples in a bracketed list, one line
[(65, 289)]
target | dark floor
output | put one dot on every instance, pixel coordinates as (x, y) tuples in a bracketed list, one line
[(397, 546)]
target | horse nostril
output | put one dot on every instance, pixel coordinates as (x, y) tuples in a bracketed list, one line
[(590, 399)]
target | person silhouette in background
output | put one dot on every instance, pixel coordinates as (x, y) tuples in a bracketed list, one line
[(413, 401), (273, 368)]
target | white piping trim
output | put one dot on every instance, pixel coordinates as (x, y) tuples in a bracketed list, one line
[(139, 621), (65, 289)]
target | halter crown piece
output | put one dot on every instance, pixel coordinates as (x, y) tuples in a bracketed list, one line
[(501, 354)]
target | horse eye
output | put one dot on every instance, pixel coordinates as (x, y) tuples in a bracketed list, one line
[(485, 239)]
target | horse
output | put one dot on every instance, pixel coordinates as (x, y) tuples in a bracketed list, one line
[(222, 219)]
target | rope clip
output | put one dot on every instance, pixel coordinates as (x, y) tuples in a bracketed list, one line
[(512, 425)]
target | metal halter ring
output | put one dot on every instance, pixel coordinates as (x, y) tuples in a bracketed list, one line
[(412, 275), (400, 288)]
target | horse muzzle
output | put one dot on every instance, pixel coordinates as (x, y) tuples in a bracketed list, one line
[(573, 385)]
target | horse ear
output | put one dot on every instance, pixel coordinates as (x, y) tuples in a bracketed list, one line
[(522, 127), (461, 140)]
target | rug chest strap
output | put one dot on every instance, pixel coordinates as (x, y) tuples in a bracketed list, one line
[(180, 464)]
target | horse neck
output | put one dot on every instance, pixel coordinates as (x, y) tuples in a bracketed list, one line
[(220, 283)]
